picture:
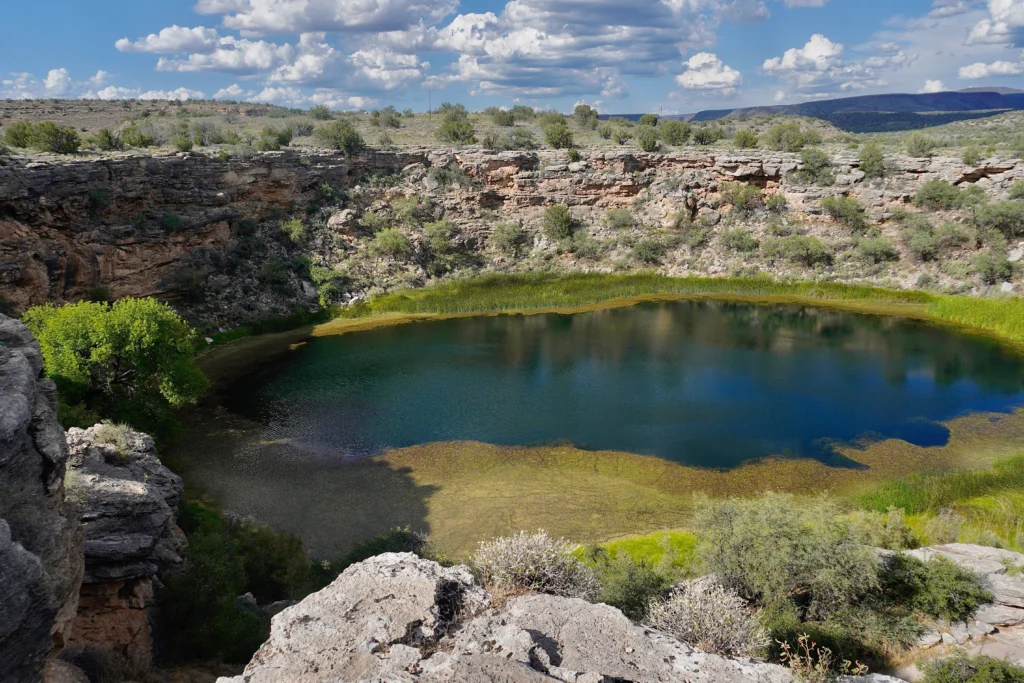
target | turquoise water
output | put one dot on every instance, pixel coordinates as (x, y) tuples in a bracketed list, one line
[(701, 383)]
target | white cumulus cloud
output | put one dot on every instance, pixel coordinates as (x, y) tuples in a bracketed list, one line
[(933, 86), (982, 70), (705, 71), (173, 40)]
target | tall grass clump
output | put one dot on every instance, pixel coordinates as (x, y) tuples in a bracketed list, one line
[(1005, 317), (535, 563)]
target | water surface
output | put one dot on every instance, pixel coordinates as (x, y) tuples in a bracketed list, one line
[(701, 383)]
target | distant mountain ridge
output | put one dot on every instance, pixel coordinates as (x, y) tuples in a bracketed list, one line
[(872, 113)]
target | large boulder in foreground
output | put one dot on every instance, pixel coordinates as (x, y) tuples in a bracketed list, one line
[(399, 618)]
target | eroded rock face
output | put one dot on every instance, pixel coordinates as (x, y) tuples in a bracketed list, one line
[(127, 501), (40, 541), (396, 617)]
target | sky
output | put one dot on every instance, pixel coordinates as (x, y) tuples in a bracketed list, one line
[(632, 56)]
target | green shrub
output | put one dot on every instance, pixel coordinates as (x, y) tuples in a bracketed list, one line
[(939, 194), (920, 145), (130, 361), (558, 222), (558, 135), (450, 175), (877, 250), (182, 143), (674, 132), (789, 137), (523, 112), (990, 267), (647, 139), (19, 134), (99, 199), (923, 245), (585, 116), (621, 136), (456, 131), (627, 584), (937, 588), (302, 130), (619, 219), (846, 210), (388, 117), (108, 141), (295, 229), (1006, 217), (711, 618), (136, 138), (321, 112), (439, 236), (648, 120), (605, 131), (507, 238), (98, 292), (773, 548), (504, 118), (739, 239), (584, 246), (708, 135), (49, 137), (535, 562), (872, 160), (745, 198), (889, 530), (340, 135), (1017, 190), (745, 139), (776, 203), (961, 667), (649, 250), (971, 155), (171, 222), (802, 249), (815, 167), (391, 243)]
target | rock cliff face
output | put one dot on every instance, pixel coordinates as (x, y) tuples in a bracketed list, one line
[(41, 562), (127, 502), (396, 618), (129, 222)]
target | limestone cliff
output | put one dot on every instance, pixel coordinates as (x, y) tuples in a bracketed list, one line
[(41, 562)]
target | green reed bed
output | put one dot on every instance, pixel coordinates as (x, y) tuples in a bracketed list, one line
[(546, 291), (931, 492), (1005, 317)]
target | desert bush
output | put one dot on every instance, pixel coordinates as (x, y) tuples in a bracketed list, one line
[(574, 155), (321, 112), (301, 130), (939, 194), (772, 548), (519, 138), (648, 120), (135, 137), (803, 249), (789, 137), (920, 145), (739, 239), (961, 667), (708, 135), (814, 663), (647, 139), (776, 203), (872, 160), (585, 246), (938, 588), (412, 209), (183, 144), (605, 131), (815, 167), (675, 133), (649, 251), (1017, 190), (508, 238), (745, 139), (621, 136), (558, 135), (971, 155), (944, 527), (49, 137), (744, 197), (923, 245), (504, 118), (387, 117), (558, 222), (991, 267), (108, 141), (845, 210), (19, 134), (535, 562), (340, 135), (295, 229), (710, 617), (585, 116), (889, 530), (626, 583), (1006, 217), (450, 175), (523, 112), (171, 222), (877, 250), (390, 243), (439, 236), (619, 219)]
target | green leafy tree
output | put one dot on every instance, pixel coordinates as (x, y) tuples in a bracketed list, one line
[(19, 134), (708, 135), (586, 116), (504, 118), (649, 120), (676, 133), (559, 136), (558, 222), (340, 135), (457, 131), (745, 139), (647, 138), (131, 361), (321, 112)]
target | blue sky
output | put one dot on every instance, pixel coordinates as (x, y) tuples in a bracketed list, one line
[(633, 56)]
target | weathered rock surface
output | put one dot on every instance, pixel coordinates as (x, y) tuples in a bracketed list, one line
[(396, 618), (40, 543), (127, 501)]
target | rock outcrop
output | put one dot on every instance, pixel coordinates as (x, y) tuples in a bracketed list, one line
[(40, 541), (127, 501), (396, 617)]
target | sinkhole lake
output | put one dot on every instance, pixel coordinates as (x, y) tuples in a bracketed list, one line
[(700, 383)]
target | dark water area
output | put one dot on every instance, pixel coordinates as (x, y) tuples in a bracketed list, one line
[(709, 384)]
